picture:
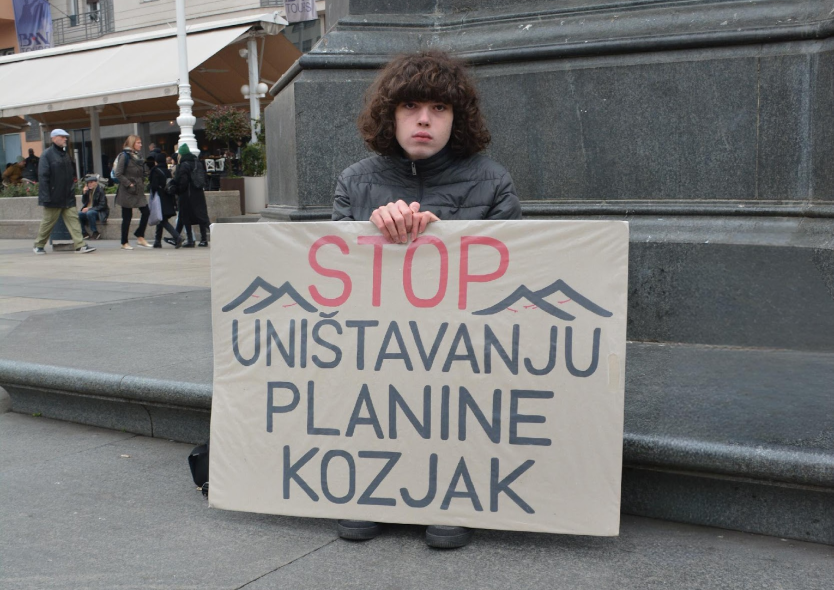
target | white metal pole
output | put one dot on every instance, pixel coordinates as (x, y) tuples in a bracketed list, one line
[(254, 101), (186, 120), (95, 139)]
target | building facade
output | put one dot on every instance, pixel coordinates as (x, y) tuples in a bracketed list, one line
[(76, 22)]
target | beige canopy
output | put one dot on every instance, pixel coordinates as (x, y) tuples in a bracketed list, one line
[(134, 78)]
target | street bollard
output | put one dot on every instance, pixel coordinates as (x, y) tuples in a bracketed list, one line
[(60, 237)]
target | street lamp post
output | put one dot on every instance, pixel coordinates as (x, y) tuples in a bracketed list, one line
[(254, 91), (186, 119)]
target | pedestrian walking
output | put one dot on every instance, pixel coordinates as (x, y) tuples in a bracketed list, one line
[(56, 193), (130, 171), (191, 196), (94, 207), (157, 180), (422, 118)]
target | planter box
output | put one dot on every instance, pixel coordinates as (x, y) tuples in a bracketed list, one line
[(256, 200), (235, 184)]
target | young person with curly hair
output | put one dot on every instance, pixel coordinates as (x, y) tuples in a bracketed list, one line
[(422, 118)]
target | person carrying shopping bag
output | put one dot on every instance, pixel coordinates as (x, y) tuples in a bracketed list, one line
[(130, 172)]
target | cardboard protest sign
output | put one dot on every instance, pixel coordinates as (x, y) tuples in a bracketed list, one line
[(473, 377)]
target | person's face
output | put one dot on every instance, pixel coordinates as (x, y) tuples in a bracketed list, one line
[(92, 185), (423, 128), (31, 152), (60, 140), (137, 145)]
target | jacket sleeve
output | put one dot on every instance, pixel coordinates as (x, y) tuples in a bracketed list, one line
[(506, 204), (181, 178), (100, 200), (44, 177), (119, 168), (341, 204)]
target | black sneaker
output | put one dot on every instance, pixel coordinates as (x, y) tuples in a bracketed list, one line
[(358, 530), (157, 244), (447, 537), (95, 235), (203, 244), (171, 241), (39, 250), (188, 245), (84, 250), (86, 236)]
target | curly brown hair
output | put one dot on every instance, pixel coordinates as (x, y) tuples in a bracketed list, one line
[(427, 76)]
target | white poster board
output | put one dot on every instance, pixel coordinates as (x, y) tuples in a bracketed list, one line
[(472, 378)]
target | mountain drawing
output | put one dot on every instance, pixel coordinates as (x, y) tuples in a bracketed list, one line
[(275, 293), (538, 298)]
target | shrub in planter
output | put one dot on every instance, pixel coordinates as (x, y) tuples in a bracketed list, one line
[(226, 124), (253, 159), (19, 190)]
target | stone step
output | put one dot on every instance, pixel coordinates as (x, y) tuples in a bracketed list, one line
[(20, 216), (733, 438)]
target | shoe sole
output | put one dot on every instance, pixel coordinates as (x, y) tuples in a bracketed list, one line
[(448, 542), (359, 534)]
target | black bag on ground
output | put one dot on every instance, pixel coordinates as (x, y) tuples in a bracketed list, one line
[(198, 460)]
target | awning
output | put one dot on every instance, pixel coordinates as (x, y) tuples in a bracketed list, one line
[(12, 124), (136, 78)]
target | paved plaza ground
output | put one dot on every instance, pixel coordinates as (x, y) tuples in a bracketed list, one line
[(85, 507)]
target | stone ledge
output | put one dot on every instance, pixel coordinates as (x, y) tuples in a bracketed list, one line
[(763, 489), (769, 463)]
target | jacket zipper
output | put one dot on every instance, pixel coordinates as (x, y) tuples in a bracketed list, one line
[(419, 182)]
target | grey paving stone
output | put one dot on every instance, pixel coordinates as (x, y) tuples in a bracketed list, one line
[(82, 507), (88, 508)]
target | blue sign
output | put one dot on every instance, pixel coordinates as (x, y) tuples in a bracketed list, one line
[(33, 21)]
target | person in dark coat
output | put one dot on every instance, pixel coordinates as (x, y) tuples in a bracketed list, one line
[(422, 118), (157, 180), (192, 201), (56, 194), (30, 172), (93, 207), (130, 171)]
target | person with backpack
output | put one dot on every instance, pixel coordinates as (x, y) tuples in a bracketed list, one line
[(130, 172), (190, 180), (157, 181)]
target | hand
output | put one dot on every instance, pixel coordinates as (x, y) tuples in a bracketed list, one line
[(396, 220), (84, 210), (420, 220)]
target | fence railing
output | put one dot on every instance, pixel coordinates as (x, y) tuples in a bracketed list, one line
[(85, 26)]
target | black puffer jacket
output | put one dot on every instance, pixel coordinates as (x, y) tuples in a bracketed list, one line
[(158, 180), (451, 188), (56, 174)]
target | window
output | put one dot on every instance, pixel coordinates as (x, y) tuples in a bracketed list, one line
[(33, 132)]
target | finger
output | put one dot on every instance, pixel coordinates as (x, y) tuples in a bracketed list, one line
[(407, 213), (391, 231), (378, 219), (416, 222), (414, 206), (427, 218), (398, 230)]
